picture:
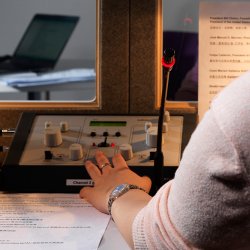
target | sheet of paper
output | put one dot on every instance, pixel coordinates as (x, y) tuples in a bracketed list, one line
[(5, 88), (49, 221), (55, 77), (224, 42)]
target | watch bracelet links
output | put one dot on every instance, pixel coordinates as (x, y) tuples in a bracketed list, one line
[(112, 199)]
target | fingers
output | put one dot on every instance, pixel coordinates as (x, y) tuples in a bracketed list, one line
[(94, 197), (119, 162), (85, 192), (92, 170), (89, 194), (102, 161), (103, 164)]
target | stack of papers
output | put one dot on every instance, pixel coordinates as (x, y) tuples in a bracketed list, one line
[(28, 79), (49, 221)]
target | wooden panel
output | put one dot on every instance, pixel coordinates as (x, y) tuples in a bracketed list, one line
[(114, 56), (145, 46)]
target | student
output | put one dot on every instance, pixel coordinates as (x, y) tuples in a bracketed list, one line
[(207, 204)]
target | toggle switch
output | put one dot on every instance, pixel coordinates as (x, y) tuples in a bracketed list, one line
[(104, 143)]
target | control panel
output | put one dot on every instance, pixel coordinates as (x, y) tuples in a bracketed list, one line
[(48, 151)]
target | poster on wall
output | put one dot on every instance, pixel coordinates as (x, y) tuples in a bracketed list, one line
[(224, 47)]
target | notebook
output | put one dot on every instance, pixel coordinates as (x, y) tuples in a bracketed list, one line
[(41, 45)]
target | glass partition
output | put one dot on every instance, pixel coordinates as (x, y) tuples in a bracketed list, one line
[(79, 53), (180, 31)]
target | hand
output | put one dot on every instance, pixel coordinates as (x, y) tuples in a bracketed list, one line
[(106, 178)]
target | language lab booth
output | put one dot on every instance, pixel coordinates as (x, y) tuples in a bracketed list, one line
[(145, 102)]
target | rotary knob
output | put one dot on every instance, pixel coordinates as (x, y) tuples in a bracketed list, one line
[(47, 124), (64, 126), (118, 134), (126, 151), (75, 152), (52, 137), (92, 133)]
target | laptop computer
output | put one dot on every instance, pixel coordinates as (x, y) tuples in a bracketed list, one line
[(41, 45)]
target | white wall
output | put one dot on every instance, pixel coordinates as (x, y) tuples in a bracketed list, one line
[(16, 14)]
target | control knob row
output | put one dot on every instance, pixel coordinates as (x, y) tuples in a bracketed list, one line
[(106, 133), (64, 126)]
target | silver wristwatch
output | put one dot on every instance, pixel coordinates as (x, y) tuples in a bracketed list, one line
[(119, 191)]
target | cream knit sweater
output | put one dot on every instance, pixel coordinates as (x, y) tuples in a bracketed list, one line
[(207, 205)]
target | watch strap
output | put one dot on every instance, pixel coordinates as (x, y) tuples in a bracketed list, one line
[(118, 192)]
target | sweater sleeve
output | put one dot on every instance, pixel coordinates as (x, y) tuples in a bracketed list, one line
[(207, 205), (152, 227)]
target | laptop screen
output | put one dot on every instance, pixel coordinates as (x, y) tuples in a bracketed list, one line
[(45, 37)]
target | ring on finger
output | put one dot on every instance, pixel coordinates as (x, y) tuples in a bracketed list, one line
[(104, 165)]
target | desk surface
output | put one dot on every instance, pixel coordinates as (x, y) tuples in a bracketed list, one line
[(89, 86), (112, 239), (7, 89)]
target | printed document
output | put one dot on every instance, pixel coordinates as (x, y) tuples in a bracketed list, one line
[(224, 41), (49, 221), (28, 79)]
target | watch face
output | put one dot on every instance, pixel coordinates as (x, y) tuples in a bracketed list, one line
[(118, 189)]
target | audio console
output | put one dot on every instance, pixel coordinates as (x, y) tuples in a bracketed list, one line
[(48, 151)]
